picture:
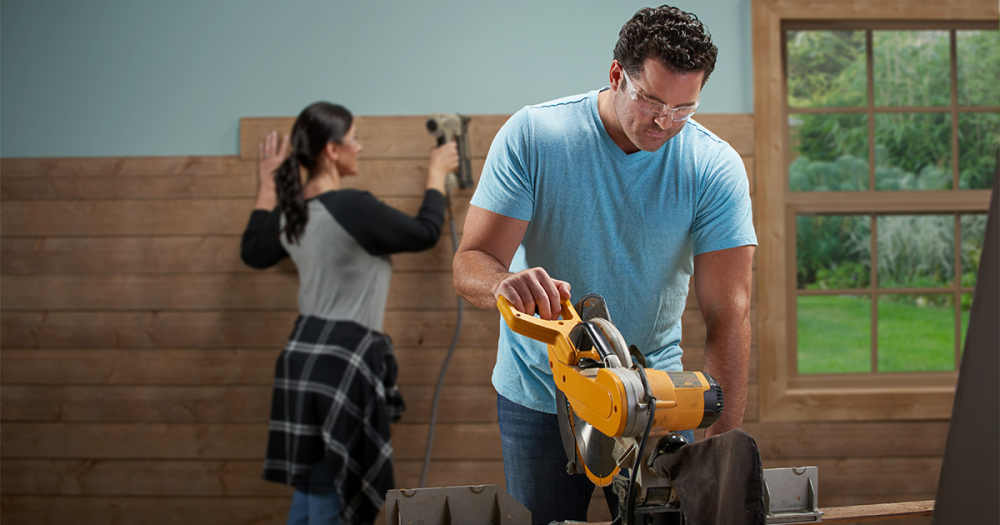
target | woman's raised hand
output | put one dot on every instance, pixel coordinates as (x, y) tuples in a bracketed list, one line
[(444, 160), (269, 157)]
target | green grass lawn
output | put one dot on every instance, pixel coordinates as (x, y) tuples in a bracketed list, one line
[(834, 335)]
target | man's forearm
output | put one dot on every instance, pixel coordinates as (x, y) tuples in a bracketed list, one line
[(476, 275), (727, 359)]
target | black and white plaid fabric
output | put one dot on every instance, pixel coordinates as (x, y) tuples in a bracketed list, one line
[(334, 396)]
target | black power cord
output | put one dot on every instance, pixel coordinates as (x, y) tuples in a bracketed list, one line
[(447, 357), (630, 494)]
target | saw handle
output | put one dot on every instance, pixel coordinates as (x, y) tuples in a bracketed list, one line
[(539, 329)]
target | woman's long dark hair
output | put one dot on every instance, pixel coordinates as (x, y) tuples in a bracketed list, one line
[(317, 125)]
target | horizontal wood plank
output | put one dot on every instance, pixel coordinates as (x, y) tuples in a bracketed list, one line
[(171, 478), (234, 179), (837, 440), (886, 9), (223, 329), (122, 167), (264, 291), (160, 217), (165, 255), (470, 366), (212, 404), (205, 479), (382, 136), (35, 510), (878, 512), (220, 441), (865, 404)]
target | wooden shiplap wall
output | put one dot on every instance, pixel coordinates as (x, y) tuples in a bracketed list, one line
[(136, 350)]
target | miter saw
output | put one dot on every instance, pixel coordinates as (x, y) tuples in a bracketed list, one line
[(611, 406), (619, 423)]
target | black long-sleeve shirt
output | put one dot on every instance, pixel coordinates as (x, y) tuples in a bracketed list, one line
[(342, 256)]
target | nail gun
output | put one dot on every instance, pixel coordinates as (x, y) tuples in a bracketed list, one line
[(447, 127)]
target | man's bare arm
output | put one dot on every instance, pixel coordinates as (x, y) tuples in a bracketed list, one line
[(482, 262), (722, 281)]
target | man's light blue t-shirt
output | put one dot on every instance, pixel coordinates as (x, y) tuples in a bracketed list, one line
[(625, 226)]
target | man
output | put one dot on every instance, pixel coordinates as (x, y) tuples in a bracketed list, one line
[(613, 192)]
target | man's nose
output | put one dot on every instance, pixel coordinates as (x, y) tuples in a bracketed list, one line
[(665, 121)]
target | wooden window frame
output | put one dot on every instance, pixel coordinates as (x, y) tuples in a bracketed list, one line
[(785, 396)]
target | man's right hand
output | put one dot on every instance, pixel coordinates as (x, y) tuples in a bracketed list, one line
[(532, 289)]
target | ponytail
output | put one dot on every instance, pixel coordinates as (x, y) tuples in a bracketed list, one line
[(317, 125), (288, 185)]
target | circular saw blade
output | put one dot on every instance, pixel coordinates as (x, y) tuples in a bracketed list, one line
[(595, 450)]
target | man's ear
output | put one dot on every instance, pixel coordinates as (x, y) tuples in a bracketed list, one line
[(615, 76)]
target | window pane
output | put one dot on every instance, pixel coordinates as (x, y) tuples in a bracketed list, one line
[(911, 68), (913, 151), (915, 251), (828, 152), (826, 68), (916, 333), (978, 68), (973, 237), (833, 252), (978, 149), (834, 334)]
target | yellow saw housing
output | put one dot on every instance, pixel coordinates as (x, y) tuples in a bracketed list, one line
[(612, 400)]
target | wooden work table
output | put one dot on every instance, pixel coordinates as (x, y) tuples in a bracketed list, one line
[(878, 512)]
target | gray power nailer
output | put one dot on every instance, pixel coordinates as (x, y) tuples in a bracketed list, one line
[(452, 126)]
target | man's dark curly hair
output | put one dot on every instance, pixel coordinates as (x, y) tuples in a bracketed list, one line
[(678, 39)]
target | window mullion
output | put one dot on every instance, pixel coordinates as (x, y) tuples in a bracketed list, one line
[(953, 45), (874, 291), (870, 73)]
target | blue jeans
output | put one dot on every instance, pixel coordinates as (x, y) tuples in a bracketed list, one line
[(320, 503), (534, 467)]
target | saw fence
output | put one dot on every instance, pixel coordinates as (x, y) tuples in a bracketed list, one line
[(138, 351)]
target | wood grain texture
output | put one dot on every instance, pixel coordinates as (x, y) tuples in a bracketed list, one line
[(382, 137), (197, 291), (832, 440), (213, 404), (215, 178), (471, 366), (195, 478), (144, 511), (886, 9), (155, 217), (220, 441), (222, 329), (211, 254), (884, 511)]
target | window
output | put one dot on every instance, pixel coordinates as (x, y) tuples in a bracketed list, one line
[(887, 112), (877, 143)]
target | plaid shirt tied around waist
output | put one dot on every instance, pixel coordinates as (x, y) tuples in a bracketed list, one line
[(334, 397)]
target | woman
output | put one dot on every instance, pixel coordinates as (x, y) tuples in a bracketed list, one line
[(334, 391)]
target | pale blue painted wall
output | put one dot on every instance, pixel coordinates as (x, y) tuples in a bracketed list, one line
[(141, 77)]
